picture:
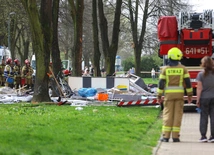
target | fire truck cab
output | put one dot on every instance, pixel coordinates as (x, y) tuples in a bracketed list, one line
[(192, 33)]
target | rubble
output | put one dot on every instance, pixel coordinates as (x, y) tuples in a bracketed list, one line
[(7, 90), (9, 95), (138, 93)]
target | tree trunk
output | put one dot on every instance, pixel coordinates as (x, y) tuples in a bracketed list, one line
[(137, 56), (67, 28), (26, 49), (103, 24), (55, 45), (44, 56), (13, 38), (115, 38), (24, 46), (42, 39), (96, 54), (77, 8)]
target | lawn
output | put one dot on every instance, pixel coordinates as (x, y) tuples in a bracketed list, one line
[(150, 81), (146, 80), (27, 129)]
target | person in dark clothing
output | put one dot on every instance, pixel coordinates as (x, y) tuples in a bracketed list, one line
[(92, 70), (17, 73), (103, 72), (205, 98)]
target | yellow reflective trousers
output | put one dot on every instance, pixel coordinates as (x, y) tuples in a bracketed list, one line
[(172, 117)]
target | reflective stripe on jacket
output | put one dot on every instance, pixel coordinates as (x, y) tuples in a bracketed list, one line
[(8, 71), (172, 80)]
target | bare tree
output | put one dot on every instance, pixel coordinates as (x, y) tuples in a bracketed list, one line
[(110, 50), (138, 38), (171, 7), (13, 27)]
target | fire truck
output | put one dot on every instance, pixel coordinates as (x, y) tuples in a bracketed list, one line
[(192, 33)]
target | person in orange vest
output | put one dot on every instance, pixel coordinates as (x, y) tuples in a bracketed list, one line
[(173, 81)]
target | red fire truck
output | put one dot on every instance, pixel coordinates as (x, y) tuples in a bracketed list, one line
[(190, 32)]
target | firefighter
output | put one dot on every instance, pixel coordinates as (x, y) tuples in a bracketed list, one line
[(2, 78), (174, 80), (17, 73), (8, 73), (27, 73)]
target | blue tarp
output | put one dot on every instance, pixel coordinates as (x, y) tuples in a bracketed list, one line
[(87, 92)]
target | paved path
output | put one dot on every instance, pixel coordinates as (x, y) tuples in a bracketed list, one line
[(190, 136)]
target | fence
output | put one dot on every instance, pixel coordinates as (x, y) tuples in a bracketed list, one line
[(97, 82)]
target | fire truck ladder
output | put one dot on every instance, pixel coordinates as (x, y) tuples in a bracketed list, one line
[(196, 20)]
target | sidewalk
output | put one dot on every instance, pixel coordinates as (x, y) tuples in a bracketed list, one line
[(190, 136)]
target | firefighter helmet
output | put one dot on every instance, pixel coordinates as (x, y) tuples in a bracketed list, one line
[(66, 72), (175, 54), (27, 61), (9, 60), (16, 61)]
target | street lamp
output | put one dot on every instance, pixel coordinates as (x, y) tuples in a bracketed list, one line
[(11, 13)]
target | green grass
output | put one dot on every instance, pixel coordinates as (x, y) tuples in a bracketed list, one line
[(58, 130), (150, 81)]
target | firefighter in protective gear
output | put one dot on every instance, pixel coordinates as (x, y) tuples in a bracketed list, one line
[(17, 73), (174, 80), (8, 73), (27, 73), (2, 77)]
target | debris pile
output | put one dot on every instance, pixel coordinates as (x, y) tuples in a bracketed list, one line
[(10, 96), (136, 93)]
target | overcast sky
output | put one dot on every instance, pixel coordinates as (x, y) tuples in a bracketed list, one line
[(201, 5)]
